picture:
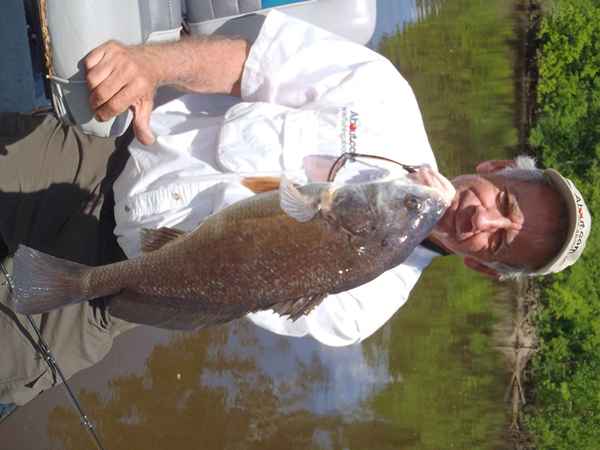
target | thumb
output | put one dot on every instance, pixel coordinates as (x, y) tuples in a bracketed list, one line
[(141, 122), (317, 167)]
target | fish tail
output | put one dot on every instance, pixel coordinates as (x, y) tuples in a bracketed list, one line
[(43, 282)]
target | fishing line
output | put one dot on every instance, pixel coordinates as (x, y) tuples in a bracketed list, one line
[(352, 156), (45, 352), (64, 80)]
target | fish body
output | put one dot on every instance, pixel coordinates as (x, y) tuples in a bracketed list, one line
[(282, 250)]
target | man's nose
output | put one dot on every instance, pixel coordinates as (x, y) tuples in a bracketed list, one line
[(489, 220)]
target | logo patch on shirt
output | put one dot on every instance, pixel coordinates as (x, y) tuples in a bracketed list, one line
[(350, 128)]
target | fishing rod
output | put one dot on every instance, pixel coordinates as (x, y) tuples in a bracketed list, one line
[(44, 350)]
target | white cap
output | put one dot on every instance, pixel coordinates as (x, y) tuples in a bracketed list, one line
[(580, 224)]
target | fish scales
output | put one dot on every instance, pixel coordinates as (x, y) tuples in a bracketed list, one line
[(249, 248)]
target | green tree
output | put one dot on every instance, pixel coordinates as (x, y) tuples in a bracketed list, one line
[(567, 135)]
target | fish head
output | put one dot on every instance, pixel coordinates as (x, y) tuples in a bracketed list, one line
[(393, 211), (352, 207)]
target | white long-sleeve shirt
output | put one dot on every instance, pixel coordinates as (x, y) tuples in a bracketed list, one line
[(304, 92)]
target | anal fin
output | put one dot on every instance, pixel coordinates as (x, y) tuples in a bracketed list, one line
[(156, 239), (299, 307)]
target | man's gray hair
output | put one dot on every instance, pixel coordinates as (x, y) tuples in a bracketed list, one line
[(525, 169), (507, 272)]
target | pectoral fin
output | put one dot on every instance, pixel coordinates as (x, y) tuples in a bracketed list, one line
[(156, 239), (298, 307), (296, 204)]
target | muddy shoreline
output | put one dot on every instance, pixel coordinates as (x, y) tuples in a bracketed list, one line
[(517, 341), (527, 16)]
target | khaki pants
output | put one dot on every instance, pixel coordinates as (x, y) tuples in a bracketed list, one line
[(55, 196)]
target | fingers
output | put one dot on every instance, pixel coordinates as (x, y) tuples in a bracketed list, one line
[(142, 109), (141, 122), (99, 63), (97, 74), (118, 77), (429, 177), (118, 94), (109, 99), (119, 102), (96, 55), (106, 78)]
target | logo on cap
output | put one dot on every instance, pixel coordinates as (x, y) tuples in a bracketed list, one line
[(580, 225)]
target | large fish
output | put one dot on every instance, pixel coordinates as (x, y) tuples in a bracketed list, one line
[(283, 250)]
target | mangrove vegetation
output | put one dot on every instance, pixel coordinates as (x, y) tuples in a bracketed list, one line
[(566, 135)]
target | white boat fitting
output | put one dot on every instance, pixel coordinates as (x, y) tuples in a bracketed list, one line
[(72, 28)]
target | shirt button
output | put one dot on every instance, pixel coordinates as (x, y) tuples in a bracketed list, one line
[(127, 208), (176, 196)]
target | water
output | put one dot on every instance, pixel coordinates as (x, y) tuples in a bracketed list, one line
[(430, 379), (16, 76), (21, 90)]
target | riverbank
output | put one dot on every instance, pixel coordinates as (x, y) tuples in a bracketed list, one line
[(556, 404), (527, 15), (520, 342)]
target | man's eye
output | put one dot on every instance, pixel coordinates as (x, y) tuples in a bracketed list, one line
[(504, 202), (497, 240), (501, 201)]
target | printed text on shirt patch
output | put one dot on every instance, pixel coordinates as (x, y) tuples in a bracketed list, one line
[(350, 129)]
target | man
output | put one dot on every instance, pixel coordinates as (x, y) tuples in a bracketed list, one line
[(305, 92), (304, 97)]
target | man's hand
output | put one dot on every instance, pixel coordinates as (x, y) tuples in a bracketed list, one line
[(429, 177), (119, 78)]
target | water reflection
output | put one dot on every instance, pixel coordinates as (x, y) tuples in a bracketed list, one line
[(393, 16), (303, 374), (237, 384)]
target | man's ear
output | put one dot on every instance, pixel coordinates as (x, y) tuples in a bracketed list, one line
[(494, 165), (472, 263)]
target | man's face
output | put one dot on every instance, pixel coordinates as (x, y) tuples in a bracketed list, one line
[(496, 218)]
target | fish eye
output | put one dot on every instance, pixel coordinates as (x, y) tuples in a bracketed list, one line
[(413, 203)]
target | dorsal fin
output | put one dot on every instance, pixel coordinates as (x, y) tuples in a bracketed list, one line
[(298, 307), (156, 239), (261, 184)]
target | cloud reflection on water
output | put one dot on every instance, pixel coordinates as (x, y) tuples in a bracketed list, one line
[(304, 374)]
